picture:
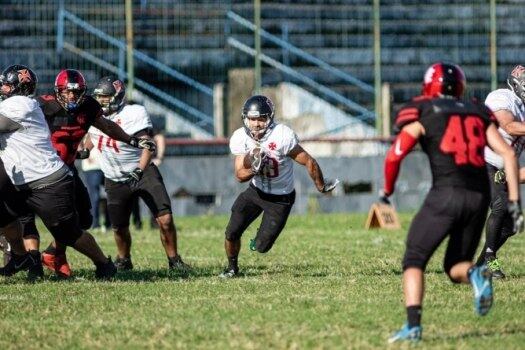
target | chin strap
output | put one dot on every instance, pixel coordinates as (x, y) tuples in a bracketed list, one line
[(400, 148)]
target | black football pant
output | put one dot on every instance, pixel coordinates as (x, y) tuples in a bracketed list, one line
[(452, 212), (499, 222), (249, 205), (82, 205)]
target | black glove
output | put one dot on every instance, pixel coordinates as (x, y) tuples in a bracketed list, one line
[(257, 158), (133, 177), (143, 143), (514, 209), (83, 154), (383, 197)]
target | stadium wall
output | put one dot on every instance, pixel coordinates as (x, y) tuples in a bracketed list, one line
[(206, 185)]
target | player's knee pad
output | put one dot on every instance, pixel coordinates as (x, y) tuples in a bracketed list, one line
[(263, 245), (85, 221), (414, 258), (66, 231), (29, 231), (498, 207), (232, 235)]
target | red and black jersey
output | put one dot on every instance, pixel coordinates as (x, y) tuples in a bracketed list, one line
[(68, 128), (454, 139)]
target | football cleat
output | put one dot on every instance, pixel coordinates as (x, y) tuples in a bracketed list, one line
[(253, 245), (6, 249), (229, 272), (481, 279), (105, 271), (36, 270), (412, 334), (29, 261), (176, 263), (495, 267), (57, 263), (123, 264)]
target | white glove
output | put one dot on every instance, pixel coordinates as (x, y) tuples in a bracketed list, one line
[(257, 157), (329, 185)]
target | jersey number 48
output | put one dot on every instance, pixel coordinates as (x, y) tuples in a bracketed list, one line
[(465, 140)]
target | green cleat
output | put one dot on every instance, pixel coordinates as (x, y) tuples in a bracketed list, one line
[(495, 267), (252, 245)]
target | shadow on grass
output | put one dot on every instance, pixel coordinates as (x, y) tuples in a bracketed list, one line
[(474, 334)]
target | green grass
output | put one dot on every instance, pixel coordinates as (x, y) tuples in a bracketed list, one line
[(326, 284)]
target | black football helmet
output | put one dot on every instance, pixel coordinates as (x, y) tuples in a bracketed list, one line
[(17, 80), (114, 87), (516, 81), (255, 107)]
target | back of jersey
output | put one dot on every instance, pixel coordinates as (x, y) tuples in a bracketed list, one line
[(454, 139)]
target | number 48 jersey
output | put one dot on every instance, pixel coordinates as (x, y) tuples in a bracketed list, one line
[(454, 139), (119, 157)]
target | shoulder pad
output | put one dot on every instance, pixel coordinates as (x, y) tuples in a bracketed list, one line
[(49, 104), (406, 115)]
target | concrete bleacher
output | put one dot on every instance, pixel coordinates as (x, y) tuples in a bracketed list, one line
[(191, 37)]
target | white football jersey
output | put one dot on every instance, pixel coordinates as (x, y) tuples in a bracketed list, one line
[(27, 153), (277, 174), (119, 157), (505, 99)]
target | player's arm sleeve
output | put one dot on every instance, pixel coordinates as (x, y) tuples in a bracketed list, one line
[(402, 145), (8, 125), (400, 148)]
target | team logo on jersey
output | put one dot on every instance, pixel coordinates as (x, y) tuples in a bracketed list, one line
[(81, 119), (24, 76), (272, 146), (517, 71)]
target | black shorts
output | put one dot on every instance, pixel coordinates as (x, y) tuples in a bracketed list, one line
[(82, 206), (249, 205), (53, 204), (447, 211), (150, 188)]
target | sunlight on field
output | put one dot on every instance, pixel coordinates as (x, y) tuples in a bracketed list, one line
[(327, 283)]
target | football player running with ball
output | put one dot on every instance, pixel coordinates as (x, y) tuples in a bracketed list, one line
[(453, 133), (264, 151), (129, 172)]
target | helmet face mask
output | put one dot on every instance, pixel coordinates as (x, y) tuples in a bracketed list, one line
[(516, 81), (17, 80), (110, 92), (444, 79), (257, 115), (70, 89)]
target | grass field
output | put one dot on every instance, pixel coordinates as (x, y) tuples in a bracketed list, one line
[(326, 284)]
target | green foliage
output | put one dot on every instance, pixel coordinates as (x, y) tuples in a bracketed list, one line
[(326, 284)]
